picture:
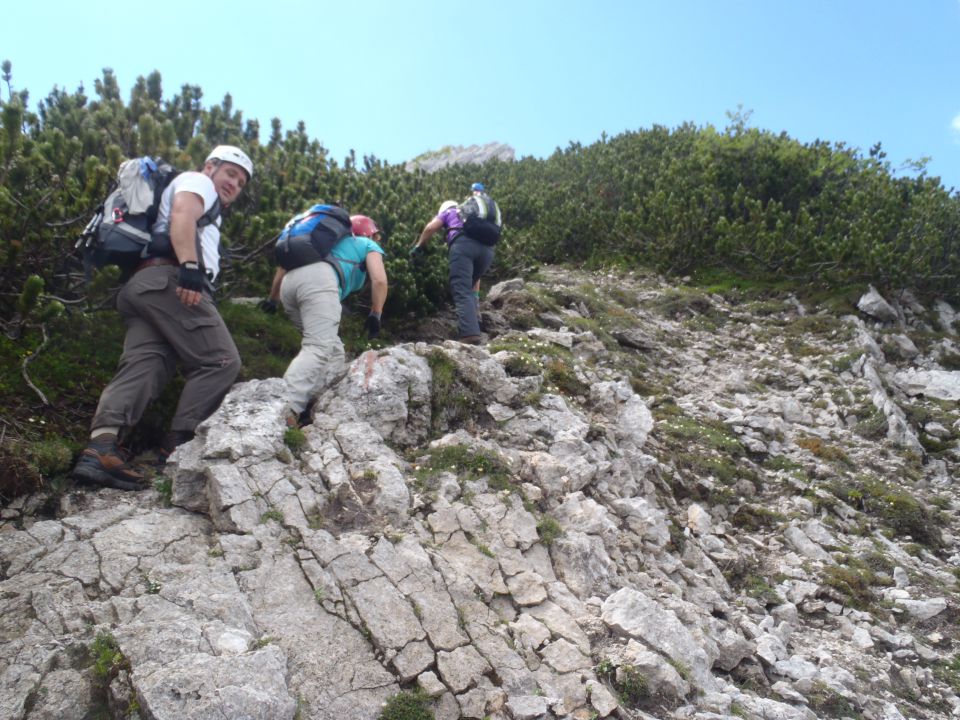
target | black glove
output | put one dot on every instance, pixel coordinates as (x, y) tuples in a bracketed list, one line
[(191, 277), (268, 305), (417, 252), (372, 325)]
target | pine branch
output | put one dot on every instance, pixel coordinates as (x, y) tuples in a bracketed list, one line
[(259, 250)]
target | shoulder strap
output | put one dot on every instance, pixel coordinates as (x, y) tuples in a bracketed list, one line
[(208, 218), (211, 215)]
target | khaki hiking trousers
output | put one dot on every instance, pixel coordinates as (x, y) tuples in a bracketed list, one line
[(162, 333)]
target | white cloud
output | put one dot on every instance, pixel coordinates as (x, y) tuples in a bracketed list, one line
[(956, 125)]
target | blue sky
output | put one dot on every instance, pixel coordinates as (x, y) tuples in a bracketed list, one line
[(395, 78)]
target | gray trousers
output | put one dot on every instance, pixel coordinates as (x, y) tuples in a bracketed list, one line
[(311, 298), (162, 332), (469, 260)]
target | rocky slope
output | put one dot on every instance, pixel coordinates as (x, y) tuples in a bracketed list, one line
[(460, 155), (637, 501)]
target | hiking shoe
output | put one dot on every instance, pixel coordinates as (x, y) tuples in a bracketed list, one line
[(472, 340), (102, 463), (171, 441)]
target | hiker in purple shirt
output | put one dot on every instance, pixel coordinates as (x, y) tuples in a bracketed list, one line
[(470, 254)]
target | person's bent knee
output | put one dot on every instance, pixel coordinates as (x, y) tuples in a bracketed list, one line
[(232, 365)]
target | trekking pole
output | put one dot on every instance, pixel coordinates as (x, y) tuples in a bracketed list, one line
[(90, 230)]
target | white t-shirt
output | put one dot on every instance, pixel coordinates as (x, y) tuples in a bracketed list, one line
[(201, 185)]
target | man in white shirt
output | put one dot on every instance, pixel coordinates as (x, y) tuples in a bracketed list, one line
[(171, 319)]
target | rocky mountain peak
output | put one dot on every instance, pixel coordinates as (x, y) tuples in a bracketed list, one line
[(460, 155), (638, 500)]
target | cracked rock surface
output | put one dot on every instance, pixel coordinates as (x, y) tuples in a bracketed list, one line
[(649, 502)]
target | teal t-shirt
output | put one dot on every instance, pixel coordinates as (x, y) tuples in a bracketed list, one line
[(351, 252)]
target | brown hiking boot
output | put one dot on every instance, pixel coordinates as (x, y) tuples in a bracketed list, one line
[(103, 463), (472, 340)]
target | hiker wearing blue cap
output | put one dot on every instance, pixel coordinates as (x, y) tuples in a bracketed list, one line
[(472, 229)]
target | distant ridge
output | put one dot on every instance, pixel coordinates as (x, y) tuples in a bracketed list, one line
[(434, 160)]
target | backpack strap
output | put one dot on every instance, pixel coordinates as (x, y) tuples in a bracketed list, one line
[(208, 218)]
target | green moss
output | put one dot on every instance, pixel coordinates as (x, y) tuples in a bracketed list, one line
[(407, 706), (900, 512), (949, 672), (51, 456), (680, 303), (756, 517), (676, 425), (852, 583), (721, 467), (827, 703)]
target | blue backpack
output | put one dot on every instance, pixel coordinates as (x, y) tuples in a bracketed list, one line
[(310, 236)]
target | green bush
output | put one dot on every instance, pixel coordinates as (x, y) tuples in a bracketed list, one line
[(744, 206)]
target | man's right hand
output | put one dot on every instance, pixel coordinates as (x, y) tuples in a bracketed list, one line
[(417, 252), (190, 283)]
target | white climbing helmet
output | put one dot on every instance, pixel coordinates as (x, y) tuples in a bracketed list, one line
[(231, 153), (446, 205)]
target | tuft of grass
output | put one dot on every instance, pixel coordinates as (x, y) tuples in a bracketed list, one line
[(469, 464), (852, 583), (548, 529), (295, 439), (272, 514), (164, 486), (560, 374), (453, 400), (683, 429), (756, 517), (107, 658), (824, 451), (262, 642), (407, 705), (632, 685), (949, 672)]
